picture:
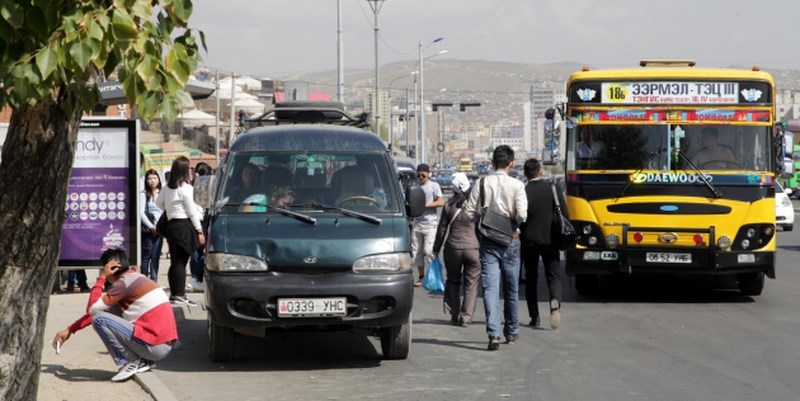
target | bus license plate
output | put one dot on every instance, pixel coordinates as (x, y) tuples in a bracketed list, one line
[(312, 307), (667, 257)]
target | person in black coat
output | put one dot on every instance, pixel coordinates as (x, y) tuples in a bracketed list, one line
[(537, 242)]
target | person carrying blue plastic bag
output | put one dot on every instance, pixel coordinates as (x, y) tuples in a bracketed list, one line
[(433, 280)]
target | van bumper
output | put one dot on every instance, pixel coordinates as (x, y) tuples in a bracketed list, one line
[(250, 300)]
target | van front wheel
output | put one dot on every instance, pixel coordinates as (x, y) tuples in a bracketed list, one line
[(396, 340), (220, 342)]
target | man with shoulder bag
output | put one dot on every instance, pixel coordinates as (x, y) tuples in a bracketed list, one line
[(541, 240), (499, 205)]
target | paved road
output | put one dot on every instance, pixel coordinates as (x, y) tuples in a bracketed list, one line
[(644, 339)]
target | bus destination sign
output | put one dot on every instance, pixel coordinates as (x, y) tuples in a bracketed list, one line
[(670, 92)]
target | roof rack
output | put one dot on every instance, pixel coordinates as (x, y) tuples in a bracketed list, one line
[(302, 112), (667, 63)]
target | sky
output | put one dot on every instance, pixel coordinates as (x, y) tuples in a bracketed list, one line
[(275, 38)]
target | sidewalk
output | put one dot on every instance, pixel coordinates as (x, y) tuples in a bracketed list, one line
[(84, 369)]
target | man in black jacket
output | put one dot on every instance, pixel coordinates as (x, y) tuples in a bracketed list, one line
[(537, 242)]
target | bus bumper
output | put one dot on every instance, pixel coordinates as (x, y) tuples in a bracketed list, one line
[(671, 261)]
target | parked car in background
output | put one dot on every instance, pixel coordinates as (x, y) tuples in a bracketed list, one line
[(784, 211), (407, 170), (444, 178), (484, 169)]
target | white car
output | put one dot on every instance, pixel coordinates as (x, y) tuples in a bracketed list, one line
[(784, 211)]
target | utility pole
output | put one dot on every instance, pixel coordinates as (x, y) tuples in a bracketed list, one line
[(340, 54), (376, 111)]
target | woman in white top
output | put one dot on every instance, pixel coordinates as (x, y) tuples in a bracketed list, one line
[(184, 233)]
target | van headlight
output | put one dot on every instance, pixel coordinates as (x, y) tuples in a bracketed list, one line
[(224, 262), (385, 262)]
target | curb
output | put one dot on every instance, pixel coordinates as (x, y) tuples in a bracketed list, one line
[(150, 382)]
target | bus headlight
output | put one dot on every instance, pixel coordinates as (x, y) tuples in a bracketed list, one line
[(386, 262), (224, 262), (724, 242), (753, 236), (612, 240)]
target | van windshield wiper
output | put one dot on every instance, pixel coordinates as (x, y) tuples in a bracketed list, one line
[(299, 216), (286, 212), (347, 212), (702, 176)]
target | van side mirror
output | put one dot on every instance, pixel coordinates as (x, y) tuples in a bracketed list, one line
[(415, 200), (204, 188)]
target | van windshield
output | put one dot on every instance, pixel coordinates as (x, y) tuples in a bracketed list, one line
[(363, 182)]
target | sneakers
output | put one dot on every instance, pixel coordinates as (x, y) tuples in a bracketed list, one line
[(196, 285), (181, 300), (555, 314), (494, 344), (463, 323), (132, 368), (512, 339)]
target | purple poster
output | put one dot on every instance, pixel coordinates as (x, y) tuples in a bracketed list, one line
[(101, 206)]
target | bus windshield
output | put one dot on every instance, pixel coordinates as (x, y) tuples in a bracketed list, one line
[(668, 147)]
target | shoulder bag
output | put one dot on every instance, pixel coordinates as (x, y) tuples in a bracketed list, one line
[(563, 233), (493, 224), (161, 225)]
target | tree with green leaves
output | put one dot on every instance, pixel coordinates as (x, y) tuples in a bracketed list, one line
[(52, 54)]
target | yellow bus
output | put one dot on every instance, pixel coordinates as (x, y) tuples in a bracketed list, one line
[(669, 169), (465, 164)]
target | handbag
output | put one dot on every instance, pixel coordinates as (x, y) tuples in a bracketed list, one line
[(434, 280), (161, 225), (494, 225), (563, 233)]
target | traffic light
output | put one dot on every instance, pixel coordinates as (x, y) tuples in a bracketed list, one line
[(463, 106)]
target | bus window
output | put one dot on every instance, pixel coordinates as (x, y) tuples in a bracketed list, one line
[(657, 147)]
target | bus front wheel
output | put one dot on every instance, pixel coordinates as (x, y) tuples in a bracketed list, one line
[(751, 283)]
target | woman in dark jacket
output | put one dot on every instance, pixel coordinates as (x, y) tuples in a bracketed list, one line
[(537, 242), (461, 254)]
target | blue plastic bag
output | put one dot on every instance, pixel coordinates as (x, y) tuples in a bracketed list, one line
[(434, 280)]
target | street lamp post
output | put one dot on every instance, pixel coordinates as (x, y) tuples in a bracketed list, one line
[(391, 132), (423, 139), (376, 8)]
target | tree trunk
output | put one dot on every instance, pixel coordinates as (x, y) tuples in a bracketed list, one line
[(34, 177)]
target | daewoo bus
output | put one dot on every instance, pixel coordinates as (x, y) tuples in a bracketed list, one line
[(669, 169)]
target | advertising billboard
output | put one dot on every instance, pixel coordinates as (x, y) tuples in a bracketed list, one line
[(102, 200)]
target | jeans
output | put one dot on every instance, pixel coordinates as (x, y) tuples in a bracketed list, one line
[(196, 264), (500, 263), (117, 335), (151, 254)]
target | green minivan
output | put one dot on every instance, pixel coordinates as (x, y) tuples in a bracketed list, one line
[(308, 229)]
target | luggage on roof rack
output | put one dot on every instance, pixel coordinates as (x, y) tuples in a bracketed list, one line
[(304, 112)]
